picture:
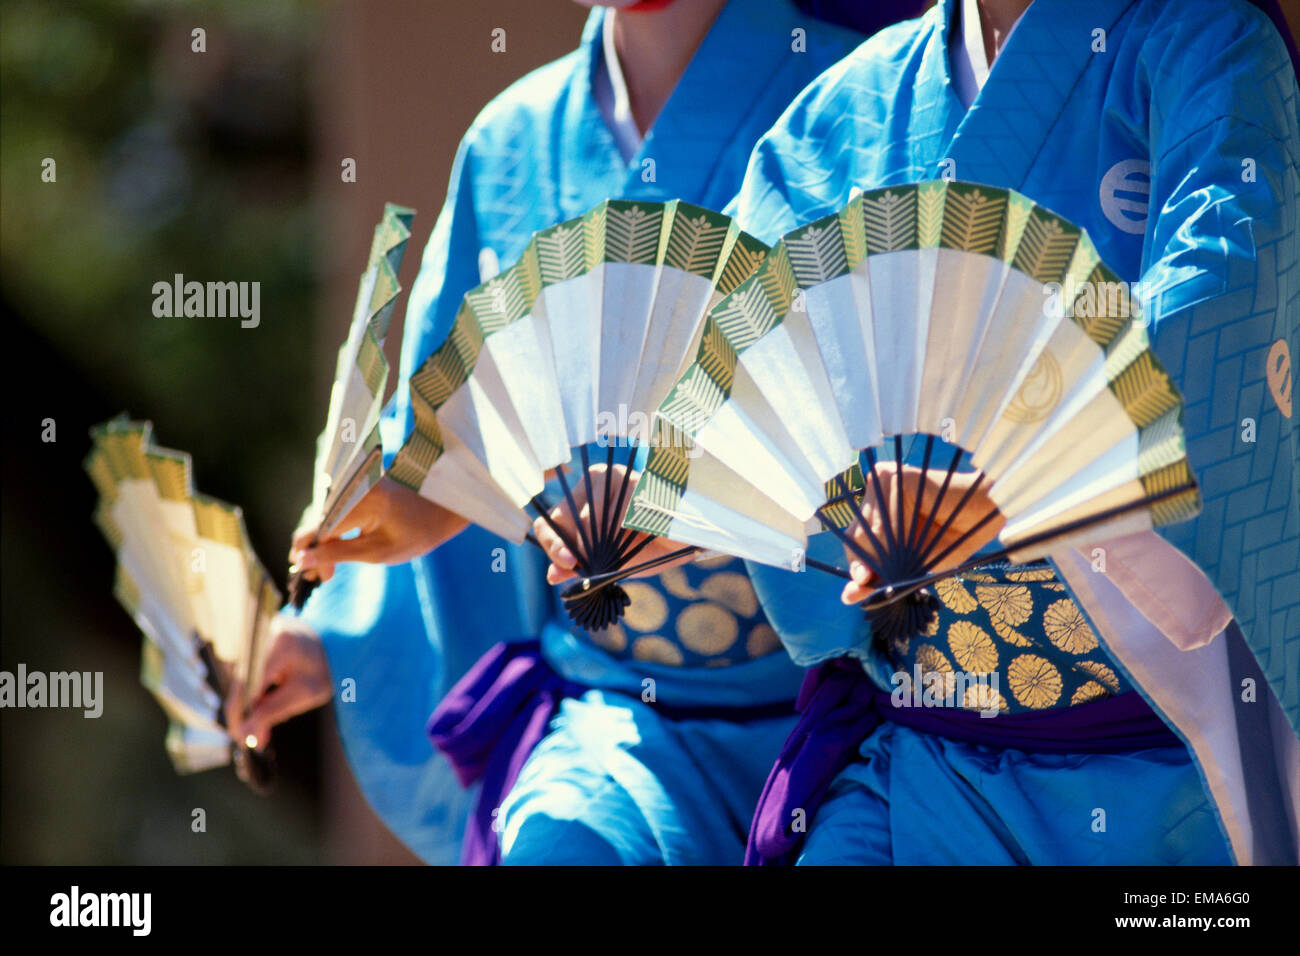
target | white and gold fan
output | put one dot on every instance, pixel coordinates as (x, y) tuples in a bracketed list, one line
[(574, 344), (349, 456), (919, 313), (190, 580)]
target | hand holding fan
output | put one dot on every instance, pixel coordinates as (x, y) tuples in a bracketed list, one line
[(918, 315), (574, 344), (189, 579), (349, 457)]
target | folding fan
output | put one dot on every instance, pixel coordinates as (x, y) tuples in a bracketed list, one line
[(940, 310), (349, 457), (574, 344), (189, 578)]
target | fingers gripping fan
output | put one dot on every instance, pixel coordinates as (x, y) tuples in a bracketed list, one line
[(576, 343), (349, 456), (187, 575), (964, 322)]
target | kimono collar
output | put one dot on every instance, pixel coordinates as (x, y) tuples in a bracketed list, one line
[(969, 63), (1011, 120), (700, 121), (586, 157)]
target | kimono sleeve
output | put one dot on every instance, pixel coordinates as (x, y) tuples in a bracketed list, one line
[(804, 166), (386, 671), (370, 618), (448, 270), (1221, 284)]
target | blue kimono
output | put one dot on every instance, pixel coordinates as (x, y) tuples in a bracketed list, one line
[(541, 153), (1169, 131)]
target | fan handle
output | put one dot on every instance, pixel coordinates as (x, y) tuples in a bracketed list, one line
[(889, 593), (256, 768), (603, 548), (300, 588)]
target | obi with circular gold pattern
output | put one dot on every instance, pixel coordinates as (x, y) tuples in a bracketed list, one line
[(702, 614), (1019, 622)]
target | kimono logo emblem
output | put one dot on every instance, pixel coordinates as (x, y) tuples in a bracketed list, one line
[(1127, 179), (1277, 369)]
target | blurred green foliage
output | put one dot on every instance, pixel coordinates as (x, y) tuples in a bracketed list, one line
[(168, 161)]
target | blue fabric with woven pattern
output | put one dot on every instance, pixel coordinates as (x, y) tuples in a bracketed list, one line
[(538, 154), (1169, 131), (915, 799), (702, 614), (1106, 137)]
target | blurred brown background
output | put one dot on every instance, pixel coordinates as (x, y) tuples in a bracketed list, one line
[(219, 165), (399, 82)]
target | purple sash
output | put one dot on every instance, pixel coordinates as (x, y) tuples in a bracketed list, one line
[(490, 722), (488, 725), (839, 707)]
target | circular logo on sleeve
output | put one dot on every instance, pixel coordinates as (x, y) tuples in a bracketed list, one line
[(1125, 195)]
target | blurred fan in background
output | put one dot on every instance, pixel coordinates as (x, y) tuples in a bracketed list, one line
[(216, 155)]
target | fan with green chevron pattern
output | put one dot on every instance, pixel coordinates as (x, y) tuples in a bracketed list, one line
[(349, 456), (976, 328), (562, 356), (187, 575)]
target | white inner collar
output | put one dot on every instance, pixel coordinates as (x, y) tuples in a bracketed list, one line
[(612, 96), (970, 63), (973, 35)]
